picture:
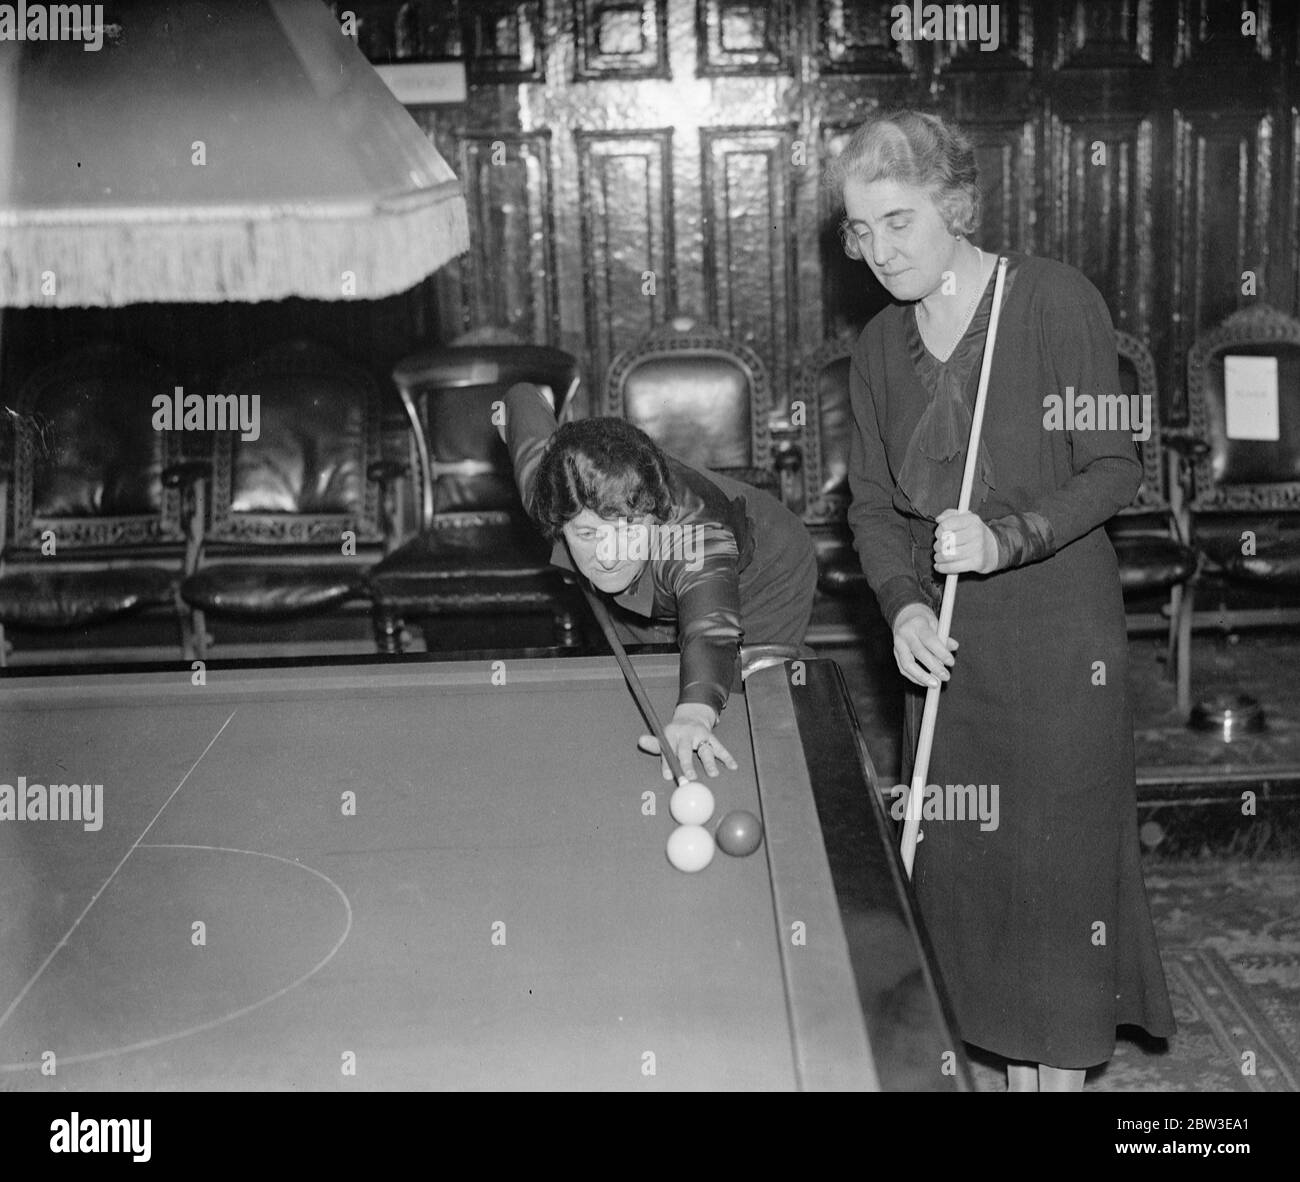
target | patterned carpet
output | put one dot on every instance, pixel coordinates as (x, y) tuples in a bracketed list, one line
[(1229, 933)]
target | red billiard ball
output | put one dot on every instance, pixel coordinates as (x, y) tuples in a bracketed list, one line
[(739, 834)]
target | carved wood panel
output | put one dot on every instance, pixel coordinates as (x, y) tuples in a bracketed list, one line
[(1224, 31), (849, 293), (622, 39), (1103, 36), (856, 38), (512, 271), (1007, 155), (1223, 191), (1101, 220), (988, 37), (627, 237), (606, 139), (1291, 223), (747, 237), (686, 138), (504, 40), (744, 36)]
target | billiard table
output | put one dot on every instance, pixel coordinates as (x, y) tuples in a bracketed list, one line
[(445, 875)]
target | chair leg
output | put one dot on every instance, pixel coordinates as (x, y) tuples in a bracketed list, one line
[(201, 637), (566, 629), (1171, 641), (187, 637), (388, 630), (1183, 673), (185, 618)]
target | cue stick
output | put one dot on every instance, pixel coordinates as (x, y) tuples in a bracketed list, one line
[(601, 613), (921, 769)]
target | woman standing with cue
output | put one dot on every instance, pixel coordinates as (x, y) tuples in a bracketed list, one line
[(1035, 904)]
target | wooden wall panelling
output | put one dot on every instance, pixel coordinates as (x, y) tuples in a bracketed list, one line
[(813, 223), (626, 187), (1291, 223), (1222, 199), (1229, 96), (1103, 211), (448, 312), (1089, 34), (511, 269), (1290, 36), (621, 39), (1013, 50), (992, 93), (850, 293), (745, 36), (504, 40), (1008, 158), (1190, 111), (852, 68), (1214, 32), (1285, 288), (749, 269), (374, 27), (1109, 89), (854, 37)]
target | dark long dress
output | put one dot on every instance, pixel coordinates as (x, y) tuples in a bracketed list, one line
[(1040, 923)]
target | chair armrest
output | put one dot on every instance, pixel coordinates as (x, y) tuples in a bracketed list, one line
[(787, 456), (192, 478), (1183, 449), (764, 478), (1182, 441), (385, 472), (186, 473)]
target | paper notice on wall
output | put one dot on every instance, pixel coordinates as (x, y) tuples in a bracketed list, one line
[(1250, 397)]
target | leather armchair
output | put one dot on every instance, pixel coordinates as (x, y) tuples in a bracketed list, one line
[(822, 393), (1151, 537), (477, 553), (703, 398), (298, 514), (1244, 494), (92, 496)]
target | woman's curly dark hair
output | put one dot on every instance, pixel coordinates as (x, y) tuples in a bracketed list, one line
[(605, 465)]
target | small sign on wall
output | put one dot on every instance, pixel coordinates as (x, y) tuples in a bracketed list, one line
[(423, 84), (1250, 397)]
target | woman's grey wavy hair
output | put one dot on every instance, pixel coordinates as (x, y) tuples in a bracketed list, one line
[(919, 149)]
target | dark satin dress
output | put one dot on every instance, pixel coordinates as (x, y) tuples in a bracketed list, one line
[(1040, 922)]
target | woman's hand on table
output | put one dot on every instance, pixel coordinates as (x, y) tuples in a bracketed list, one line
[(690, 731), (962, 542), (921, 656)]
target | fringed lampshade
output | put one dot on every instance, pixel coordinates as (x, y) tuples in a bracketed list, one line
[(211, 151)]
